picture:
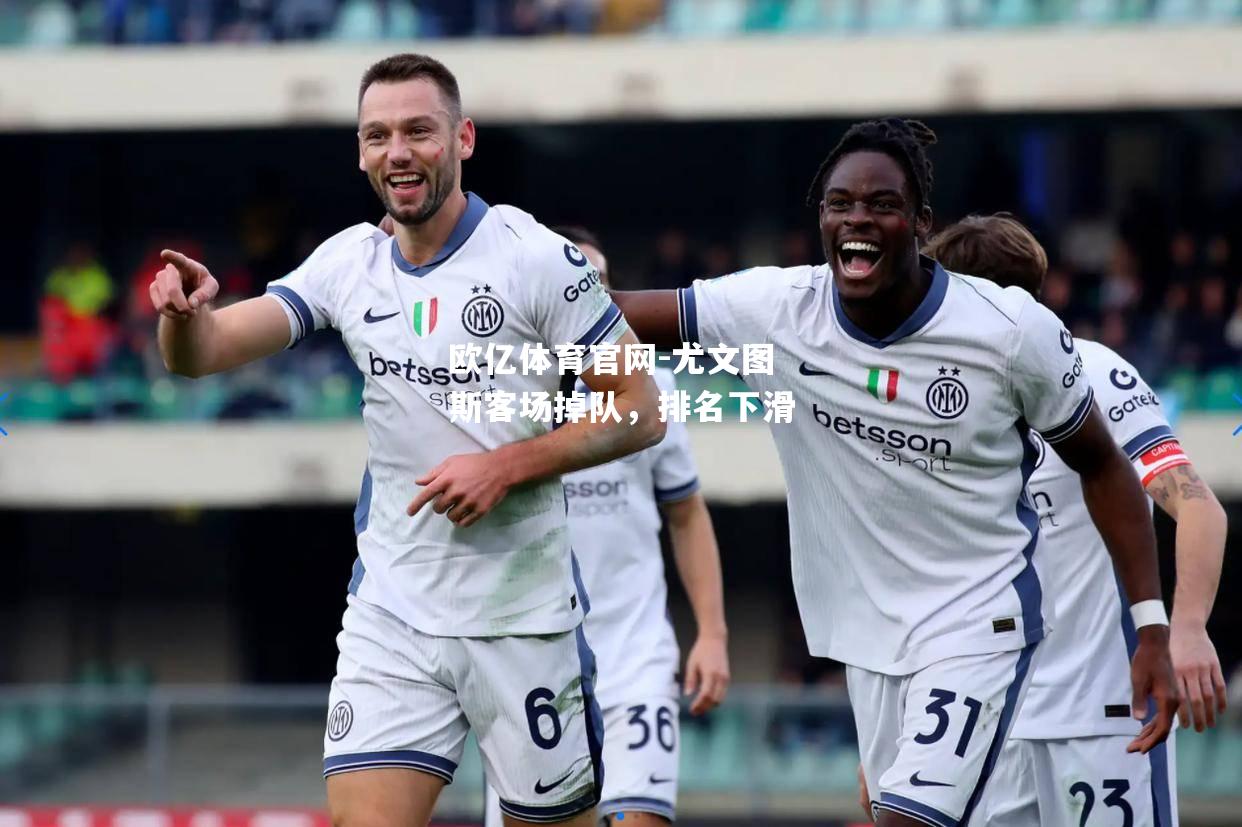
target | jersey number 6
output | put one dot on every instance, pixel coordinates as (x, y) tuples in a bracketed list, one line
[(537, 707)]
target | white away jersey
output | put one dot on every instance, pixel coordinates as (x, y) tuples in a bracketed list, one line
[(1082, 685), (907, 459), (501, 278), (614, 520)]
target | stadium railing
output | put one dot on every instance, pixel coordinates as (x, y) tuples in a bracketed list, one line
[(769, 751)]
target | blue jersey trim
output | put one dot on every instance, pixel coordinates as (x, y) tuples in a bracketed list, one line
[(915, 810), (920, 317), (594, 717), (1030, 590), (687, 314), (1070, 426), (476, 209), (637, 804), (604, 325), (579, 585), (397, 758), (355, 577), (1021, 672), (550, 814), (1147, 440), (362, 509), (306, 319), (668, 495)]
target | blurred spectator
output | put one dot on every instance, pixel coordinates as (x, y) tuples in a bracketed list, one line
[(719, 259), (674, 265), (1122, 288), (796, 249), (73, 329), (1233, 328), (1207, 332), (1169, 326)]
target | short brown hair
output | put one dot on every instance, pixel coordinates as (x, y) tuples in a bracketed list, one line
[(995, 247), (410, 66)]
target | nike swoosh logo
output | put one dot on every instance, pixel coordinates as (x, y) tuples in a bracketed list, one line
[(918, 782), (654, 780), (369, 319), (540, 789), (809, 371)]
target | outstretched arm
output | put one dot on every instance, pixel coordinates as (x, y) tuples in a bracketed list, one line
[(1201, 529), (651, 314), (1119, 510), (197, 340)]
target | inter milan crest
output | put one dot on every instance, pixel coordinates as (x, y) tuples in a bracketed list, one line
[(947, 396), (340, 720), (483, 315)]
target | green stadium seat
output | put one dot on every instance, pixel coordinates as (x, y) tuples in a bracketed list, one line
[(1226, 766), (403, 22), (1218, 388), (38, 401), (1194, 759), (14, 740), (49, 724), (51, 25), (1014, 13), (90, 24), (358, 21), (765, 16), (704, 17)]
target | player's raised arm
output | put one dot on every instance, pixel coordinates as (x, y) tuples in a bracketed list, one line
[(1200, 548), (652, 315), (197, 340)]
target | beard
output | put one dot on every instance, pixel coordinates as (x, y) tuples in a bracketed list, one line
[(440, 185)]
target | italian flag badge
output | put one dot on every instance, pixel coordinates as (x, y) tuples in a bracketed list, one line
[(882, 384)]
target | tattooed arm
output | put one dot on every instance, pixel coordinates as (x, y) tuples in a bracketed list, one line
[(1201, 529)]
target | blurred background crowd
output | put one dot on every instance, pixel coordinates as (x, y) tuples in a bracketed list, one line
[(60, 22)]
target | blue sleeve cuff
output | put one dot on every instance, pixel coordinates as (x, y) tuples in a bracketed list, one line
[(668, 495), (306, 319), (687, 314), (1070, 426)]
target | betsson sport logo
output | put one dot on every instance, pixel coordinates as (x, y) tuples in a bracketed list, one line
[(891, 442)]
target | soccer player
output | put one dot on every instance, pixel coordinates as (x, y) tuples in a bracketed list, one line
[(464, 609), (614, 522), (906, 461), (1066, 754)]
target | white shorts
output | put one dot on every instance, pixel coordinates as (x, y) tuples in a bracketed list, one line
[(402, 698), (1082, 781), (642, 742), (929, 741)]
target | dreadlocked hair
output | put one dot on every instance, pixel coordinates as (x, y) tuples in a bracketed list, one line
[(899, 138)]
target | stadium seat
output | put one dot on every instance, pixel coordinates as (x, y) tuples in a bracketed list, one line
[(51, 25), (705, 17), (403, 22), (1218, 389), (14, 741), (358, 21)]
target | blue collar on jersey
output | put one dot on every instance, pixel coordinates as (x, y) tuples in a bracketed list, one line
[(476, 208), (921, 315)]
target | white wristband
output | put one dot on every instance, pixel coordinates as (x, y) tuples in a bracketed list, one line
[(1149, 613)]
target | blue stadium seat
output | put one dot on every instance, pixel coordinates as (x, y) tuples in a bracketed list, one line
[(705, 17)]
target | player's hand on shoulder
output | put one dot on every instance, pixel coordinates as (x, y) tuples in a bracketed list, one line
[(1199, 677), (1151, 677), (182, 286), (465, 487), (707, 673)]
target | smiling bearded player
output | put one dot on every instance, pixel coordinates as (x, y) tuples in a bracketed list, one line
[(464, 610), (911, 529)]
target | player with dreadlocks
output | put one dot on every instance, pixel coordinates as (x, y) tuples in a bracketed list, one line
[(911, 530)]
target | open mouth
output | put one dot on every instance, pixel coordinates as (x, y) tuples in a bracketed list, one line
[(406, 182), (858, 258)]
